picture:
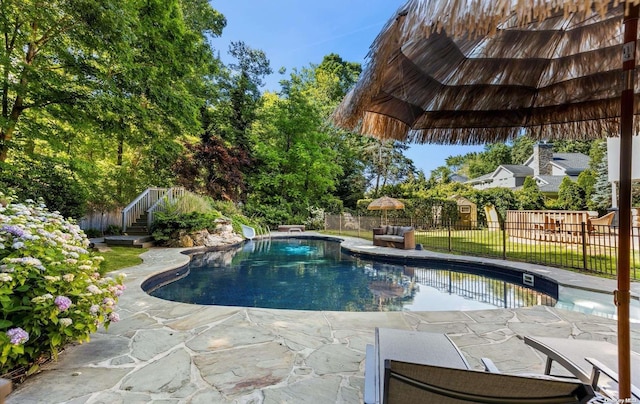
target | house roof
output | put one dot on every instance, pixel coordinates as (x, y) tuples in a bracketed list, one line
[(458, 178), (573, 163), (551, 183), (516, 169), (481, 178), (564, 160)]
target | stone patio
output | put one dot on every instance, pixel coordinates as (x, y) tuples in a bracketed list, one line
[(169, 352)]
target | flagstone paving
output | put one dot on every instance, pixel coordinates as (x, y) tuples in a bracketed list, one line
[(169, 352)]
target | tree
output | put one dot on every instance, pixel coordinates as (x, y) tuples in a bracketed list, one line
[(240, 95), (570, 195), (49, 180), (478, 164), (587, 181), (503, 199), (572, 146), (325, 85), (54, 54), (529, 196), (386, 163), (601, 196), (521, 149), (212, 167), (106, 87), (296, 162), (455, 163), (440, 175)]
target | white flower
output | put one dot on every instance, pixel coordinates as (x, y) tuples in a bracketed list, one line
[(17, 245), (42, 299), (68, 277), (66, 322), (93, 289), (5, 277)]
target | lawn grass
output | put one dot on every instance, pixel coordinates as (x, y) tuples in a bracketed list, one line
[(120, 257), (599, 260)]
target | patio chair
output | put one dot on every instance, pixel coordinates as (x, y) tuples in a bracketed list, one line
[(601, 224), (586, 360), (416, 383), (408, 346)]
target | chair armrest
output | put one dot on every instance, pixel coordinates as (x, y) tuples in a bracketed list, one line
[(599, 367), (369, 375)]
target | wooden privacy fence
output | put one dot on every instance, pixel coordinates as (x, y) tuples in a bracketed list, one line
[(571, 226), (101, 220)]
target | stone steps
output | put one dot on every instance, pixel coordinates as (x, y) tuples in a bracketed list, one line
[(134, 241)]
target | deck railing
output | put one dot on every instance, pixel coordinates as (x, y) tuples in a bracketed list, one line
[(136, 209), (171, 195)]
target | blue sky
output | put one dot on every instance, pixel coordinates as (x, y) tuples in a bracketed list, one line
[(296, 33)]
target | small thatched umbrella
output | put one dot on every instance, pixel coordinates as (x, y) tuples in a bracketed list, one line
[(385, 203), (470, 72)]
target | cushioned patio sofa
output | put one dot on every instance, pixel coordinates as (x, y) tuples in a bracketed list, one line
[(395, 236)]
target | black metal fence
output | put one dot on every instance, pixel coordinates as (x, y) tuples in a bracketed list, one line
[(583, 246)]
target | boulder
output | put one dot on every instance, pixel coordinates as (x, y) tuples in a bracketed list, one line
[(220, 234)]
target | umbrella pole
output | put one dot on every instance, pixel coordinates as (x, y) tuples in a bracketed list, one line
[(623, 294)]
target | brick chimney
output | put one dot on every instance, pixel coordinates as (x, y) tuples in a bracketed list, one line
[(542, 158)]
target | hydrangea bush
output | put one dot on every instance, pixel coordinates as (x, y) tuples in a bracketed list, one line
[(51, 292)]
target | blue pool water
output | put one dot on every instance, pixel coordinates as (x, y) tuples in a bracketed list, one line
[(313, 274)]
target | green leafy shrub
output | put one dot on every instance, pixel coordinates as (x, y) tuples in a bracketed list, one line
[(49, 179), (227, 208), (113, 230), (167, 224), (93, 233), (51, 292), (189, 203)]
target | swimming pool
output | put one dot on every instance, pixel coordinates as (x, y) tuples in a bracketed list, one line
[(315, 274)]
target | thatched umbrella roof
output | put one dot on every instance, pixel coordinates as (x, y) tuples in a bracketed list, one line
[(435, 77), (385, 203), (557, 68)]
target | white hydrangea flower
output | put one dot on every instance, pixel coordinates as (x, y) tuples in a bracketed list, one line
[(66, 322), (93, 289)]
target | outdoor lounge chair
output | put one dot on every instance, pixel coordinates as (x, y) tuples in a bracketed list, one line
[(412, 366), (407, 346), (414, 383), (586, 360)]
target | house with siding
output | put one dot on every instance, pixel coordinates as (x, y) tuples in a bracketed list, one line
[(545, 166)]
